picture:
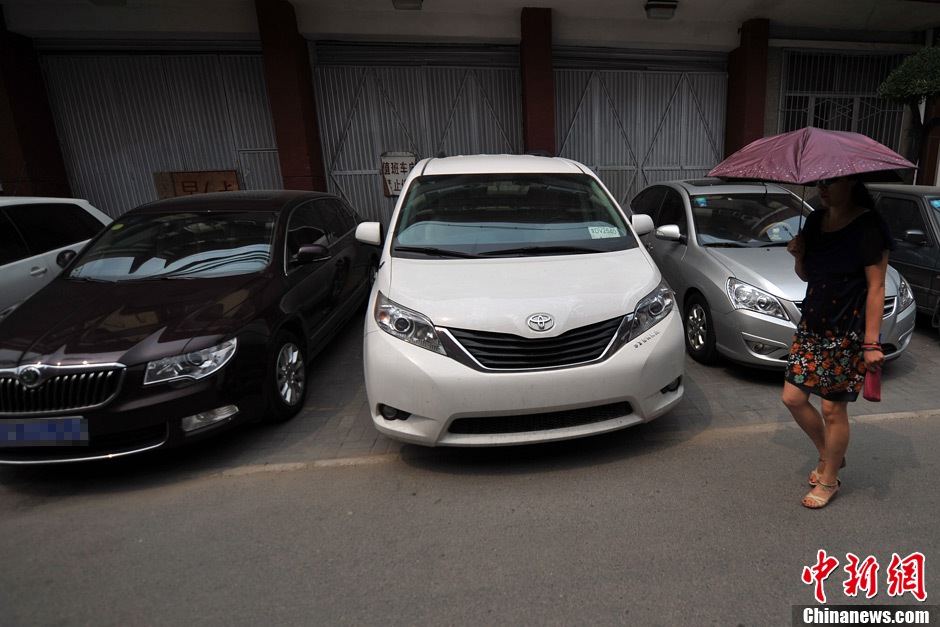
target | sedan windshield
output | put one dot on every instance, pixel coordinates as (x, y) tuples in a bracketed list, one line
[(751, 220), (508, 215), (178, 245)]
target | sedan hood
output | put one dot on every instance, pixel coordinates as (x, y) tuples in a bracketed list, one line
[(499, 295), (70, 322), (771, 269)]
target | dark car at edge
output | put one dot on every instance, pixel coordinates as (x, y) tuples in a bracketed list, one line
[(184, 317)]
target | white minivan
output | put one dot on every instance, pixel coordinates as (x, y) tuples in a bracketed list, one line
[(34, 232), (514, 304)]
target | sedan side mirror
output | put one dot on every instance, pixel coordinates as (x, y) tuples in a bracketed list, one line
[(671, 232), (915, 236), (369, 233), (64, 257), (311, 252)]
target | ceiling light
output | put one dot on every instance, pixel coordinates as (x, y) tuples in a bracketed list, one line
[(661, 9), (407, 5)]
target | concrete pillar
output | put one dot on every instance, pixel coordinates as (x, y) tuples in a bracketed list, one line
[(929, 171), (290, 90), (747, 86), (31, 162), (538, 95)]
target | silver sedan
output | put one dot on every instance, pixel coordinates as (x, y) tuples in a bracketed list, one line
[(722, 248)]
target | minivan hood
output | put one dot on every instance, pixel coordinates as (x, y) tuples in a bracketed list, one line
[(499, 295), (771, 269), (69, 322)]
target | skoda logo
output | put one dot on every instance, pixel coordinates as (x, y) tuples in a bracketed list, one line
[(30, 376), (541, 322)]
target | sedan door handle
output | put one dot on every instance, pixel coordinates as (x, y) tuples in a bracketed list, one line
[(37, 271)]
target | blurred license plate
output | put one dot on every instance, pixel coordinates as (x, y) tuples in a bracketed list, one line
[(70, 431)]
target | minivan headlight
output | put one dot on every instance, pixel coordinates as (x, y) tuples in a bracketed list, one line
[(651, 310), (905, 294), (745, 296), (406, 324), (195, 365)]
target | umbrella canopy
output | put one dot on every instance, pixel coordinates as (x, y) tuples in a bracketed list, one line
[(805, 156)]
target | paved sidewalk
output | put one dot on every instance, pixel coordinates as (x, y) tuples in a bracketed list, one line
[(335, 423)]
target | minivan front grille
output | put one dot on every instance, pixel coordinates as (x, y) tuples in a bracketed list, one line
[(503, 351), (490, 425), (65, 392)]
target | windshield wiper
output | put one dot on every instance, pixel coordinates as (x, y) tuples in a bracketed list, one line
[(769, 244), (724, 245), (434, 252), (543, 250)]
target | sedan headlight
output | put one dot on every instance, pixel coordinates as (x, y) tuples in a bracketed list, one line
[(905, 295), (193, 366), (405, 324), (744, 296)]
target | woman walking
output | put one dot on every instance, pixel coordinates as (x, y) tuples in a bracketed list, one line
[(842, 254)]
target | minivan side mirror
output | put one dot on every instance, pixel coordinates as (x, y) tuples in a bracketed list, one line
[(369, 233), (64, 257), (642, 224)]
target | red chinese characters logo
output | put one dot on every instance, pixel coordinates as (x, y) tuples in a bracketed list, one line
[(902, 575)]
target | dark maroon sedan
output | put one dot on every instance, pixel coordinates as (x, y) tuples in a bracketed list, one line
[(184, 317)]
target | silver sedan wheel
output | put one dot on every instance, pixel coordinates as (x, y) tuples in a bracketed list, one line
[(696, 326), (291, 376)]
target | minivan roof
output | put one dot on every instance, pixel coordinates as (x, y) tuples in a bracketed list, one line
[(496, 164)]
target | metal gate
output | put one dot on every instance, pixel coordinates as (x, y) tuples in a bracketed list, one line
[(123, 118), (634, 128), (365, 111)]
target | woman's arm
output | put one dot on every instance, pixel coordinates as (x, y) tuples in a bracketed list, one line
[(797, 248), (874, 309)]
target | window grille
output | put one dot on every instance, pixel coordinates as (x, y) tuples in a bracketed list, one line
[(837, 91)]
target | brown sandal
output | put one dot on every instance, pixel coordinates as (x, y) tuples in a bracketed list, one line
[(818, 502), (814, 476)]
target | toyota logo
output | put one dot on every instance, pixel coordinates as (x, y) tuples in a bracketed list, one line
[(541, 322), (30, 376)]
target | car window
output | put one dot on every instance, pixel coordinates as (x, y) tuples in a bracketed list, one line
[(901, 214), (332, 214), (648, 201), (672, 212), (306, 227), (12, 246), (49, 226), (345, 215), (178, 245), (747, 219), (509, 214)]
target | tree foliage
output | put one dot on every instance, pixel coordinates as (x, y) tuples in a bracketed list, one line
[(916, 80)]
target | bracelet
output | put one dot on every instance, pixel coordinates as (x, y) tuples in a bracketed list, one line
[(872, 348), (871, 345)]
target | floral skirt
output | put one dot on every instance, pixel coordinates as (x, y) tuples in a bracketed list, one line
[(830, 367)]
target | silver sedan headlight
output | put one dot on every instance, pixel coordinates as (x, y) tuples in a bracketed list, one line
[(192, 366), (905, 295), (407, 325), (745, 296)]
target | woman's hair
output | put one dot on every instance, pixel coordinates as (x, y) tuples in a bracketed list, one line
[(860, 194)]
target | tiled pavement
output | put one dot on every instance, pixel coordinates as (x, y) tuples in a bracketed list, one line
[(335, 423)]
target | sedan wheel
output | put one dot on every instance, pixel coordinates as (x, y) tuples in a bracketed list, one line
[(287, 379), (699, 330)]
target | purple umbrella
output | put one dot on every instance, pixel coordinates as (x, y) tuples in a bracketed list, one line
[(805, 156)]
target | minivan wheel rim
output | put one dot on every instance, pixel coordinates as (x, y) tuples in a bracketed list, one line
[(290, 374), (696, 327)]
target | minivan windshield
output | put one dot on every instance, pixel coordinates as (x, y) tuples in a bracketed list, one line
[(508, 215), (178, 246), (747, 220)]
